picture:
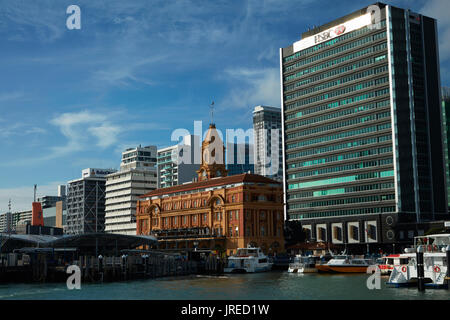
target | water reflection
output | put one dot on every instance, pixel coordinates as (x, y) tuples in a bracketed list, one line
[(267, 286)]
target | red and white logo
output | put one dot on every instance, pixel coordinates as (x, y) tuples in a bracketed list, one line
[(339, 30)]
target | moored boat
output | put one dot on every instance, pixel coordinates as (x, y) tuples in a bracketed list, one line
[(248, 260), (434, 262), (303, 264), (388, 263), (345, 264)]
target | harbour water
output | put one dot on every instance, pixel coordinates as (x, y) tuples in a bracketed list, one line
[(260, 286)]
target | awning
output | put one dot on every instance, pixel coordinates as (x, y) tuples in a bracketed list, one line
[(83, 242)]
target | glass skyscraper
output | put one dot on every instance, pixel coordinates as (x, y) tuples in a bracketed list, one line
[(362, 127), (239, 158)]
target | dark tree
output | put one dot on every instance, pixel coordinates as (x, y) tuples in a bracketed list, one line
[(293, 232)]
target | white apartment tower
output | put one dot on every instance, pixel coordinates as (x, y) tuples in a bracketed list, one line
[(172, 169), (136, 177), (268, 153)]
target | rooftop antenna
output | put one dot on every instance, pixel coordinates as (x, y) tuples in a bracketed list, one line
[(211, 110), (8, 219)]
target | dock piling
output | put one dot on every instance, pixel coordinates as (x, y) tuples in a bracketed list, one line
[(420, 269), (447, 252)]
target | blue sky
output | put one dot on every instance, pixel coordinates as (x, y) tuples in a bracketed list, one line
[(137, 70)]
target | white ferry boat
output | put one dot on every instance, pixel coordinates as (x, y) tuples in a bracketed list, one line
[(303, 264), (387, 263), (345, 264), (248, 260), (435, 262)]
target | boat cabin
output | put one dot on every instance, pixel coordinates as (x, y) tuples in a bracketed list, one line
[(433, 243)]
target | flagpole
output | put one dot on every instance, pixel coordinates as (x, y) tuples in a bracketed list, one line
[(212, 112)]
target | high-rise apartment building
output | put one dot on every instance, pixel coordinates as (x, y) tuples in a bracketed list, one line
[(268, 147), (362, 127), (50, 201), (86, 202), (9, 221), (172, 169), (137, 176)]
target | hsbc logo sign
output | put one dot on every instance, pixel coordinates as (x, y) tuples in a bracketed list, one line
[(329, 34), (343, 28), (339, 30)]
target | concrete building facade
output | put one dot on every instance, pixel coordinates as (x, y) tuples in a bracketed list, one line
[(217, 211), (86, 202), (172, 170), (268, 147), (14, 219), (137, 176)]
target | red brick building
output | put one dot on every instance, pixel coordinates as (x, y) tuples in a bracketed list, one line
[(217, 212)]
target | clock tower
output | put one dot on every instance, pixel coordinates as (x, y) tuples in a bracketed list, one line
[(213, 156)]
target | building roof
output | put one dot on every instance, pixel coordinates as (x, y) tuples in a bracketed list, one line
[(266, 108), (106, 241), (239, 178)]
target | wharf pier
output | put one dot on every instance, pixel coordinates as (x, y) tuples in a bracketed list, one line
[(99, 257), (30, 265)]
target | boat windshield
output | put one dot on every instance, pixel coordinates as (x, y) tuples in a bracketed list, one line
[(247, 253)]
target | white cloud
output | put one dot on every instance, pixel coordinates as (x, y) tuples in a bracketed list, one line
[(106, 134), (19, 129), (253, 87), (8, 96), (125, 72), (35, 130), (22, 197), (32, 19), (81, 127)]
